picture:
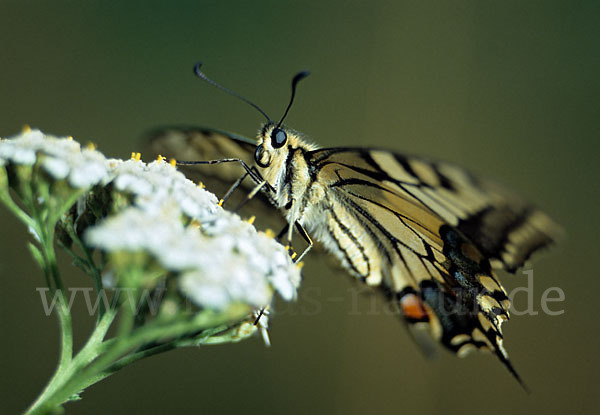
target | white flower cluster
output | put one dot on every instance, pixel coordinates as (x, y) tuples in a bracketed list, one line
[(223, 260), (61, 158)]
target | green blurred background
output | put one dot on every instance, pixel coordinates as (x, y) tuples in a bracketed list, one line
[(507, 88)]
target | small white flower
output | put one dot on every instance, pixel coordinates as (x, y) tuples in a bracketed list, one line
[(88, 168), (58, 168)]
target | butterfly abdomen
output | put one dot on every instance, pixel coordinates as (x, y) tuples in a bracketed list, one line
[(336, 228)]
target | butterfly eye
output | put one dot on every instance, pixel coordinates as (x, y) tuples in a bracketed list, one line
[(278, 138)]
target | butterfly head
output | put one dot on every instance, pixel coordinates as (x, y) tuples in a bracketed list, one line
[(272, 145)]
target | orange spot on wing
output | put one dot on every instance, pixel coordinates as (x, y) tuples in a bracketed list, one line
[(413, 308)]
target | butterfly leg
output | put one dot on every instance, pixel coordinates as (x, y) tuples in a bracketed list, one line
[(282, 232), (250, 195), (261, 322), (287, 229), (251, 172), (307, 238), (234, 186), (237, 184)]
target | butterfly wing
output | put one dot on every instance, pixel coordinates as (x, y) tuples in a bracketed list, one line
[(428, 236)]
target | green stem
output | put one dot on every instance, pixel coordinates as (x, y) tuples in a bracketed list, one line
[(45, 232), (91, 266), (97, 361), (64, 314), (86, 355), (134, 357), (45, 229), (15, 209), (160, 348)]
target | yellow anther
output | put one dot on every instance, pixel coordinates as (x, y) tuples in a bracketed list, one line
[(201, 185), (221, 202), (138, 156), (251, 219), (70, 138), (300, 264), (294, 255), (269, 233), (90, 146), (26, 129), (160, 158), (173, 162), (133, 155)]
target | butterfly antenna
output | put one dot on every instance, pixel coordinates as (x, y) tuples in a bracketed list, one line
[(203, 76), (297, 78)]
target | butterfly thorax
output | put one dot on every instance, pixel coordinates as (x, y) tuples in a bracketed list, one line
[(283, 164)]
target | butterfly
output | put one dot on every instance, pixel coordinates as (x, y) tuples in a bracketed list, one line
[(428, 234)]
